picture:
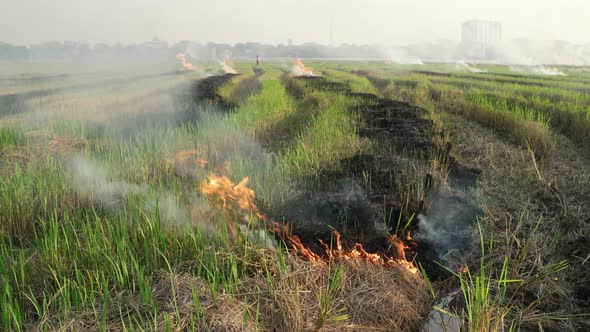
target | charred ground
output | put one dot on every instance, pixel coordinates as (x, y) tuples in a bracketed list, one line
[(366, 199)]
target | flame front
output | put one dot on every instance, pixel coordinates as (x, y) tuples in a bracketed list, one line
[(336, 253), (236, 202), (185, 64), (299, 69), (228, 66)]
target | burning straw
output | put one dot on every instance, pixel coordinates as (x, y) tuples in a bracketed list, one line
[(185, 64), (299, 69), (236, 202), (228, 66)]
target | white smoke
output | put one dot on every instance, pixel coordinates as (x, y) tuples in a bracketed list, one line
[(227, 66), (187, 65), (404, 57), (551, 71), (471, 68), (92, 182), (522, 51), (540, 70), (447, 224), (537, 53)]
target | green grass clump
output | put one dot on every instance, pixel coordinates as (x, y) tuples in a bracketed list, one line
[(11, 136), (330, 137), (520, 125)]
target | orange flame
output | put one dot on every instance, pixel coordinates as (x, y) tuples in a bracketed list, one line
[(228, 66), (237, 201), (336, 253), (299, 69), (185, 64)]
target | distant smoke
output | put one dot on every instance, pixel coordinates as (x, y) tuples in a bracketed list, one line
[(227, 65), (537, 53), (473, 69), (541, 70), (402, 56), (511, 52), (548, 71)]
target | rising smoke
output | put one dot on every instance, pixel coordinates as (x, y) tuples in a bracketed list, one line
[(401, 56), (227, 65), (461, 65), (446, 224), (92, 182), (517, 52), (540, 70)]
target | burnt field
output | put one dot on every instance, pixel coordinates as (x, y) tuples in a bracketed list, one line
[(367, 197)]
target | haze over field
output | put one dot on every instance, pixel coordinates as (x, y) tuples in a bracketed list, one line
[(283, 165), (272, 21)]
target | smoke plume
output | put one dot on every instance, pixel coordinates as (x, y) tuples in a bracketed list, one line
[(93, 183), (446, 224), (227, 65), (471, 68), (540, 70)]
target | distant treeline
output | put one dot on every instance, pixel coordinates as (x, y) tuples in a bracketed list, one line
[(517, 51), (159, 49)]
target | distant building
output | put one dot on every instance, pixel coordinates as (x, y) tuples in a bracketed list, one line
[(478, 37), (153, 48), (482, 32), (156, 44)]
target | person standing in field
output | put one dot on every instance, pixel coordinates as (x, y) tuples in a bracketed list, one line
[(257, 60)]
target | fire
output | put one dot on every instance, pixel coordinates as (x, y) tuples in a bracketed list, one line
[(228, 66), (236, 201), (550, 71), (232, 199), (185, 64), (337, 253), (299, 69)]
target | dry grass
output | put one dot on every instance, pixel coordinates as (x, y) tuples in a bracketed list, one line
[(366, 298), (221, 312), (177, 297), (536, 212), (371, 298), (45, 141), (12, 157), (524, 132), (380, 299)]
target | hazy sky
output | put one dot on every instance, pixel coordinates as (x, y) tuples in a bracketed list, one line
[(273, 21)]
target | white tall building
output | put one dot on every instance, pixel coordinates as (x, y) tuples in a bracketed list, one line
[(481, 32), (478, 36)]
